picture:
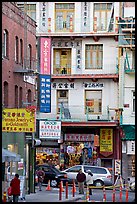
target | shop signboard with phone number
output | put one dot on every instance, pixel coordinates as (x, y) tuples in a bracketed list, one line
[(49, 129)]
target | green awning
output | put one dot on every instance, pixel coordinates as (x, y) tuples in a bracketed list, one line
[(129, 131)]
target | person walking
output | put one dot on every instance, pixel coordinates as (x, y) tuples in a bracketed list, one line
[(81, 178), (15, 188), (40, 173), (89, 181)]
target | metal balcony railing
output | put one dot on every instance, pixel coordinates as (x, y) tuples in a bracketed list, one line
[(80, 114)]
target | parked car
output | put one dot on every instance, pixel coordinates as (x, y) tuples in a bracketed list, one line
[(52, 174), (101, 175)]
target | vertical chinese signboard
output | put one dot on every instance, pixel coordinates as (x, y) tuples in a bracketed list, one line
[(45, 75), (45, 47), (45, 93), (106, 141)]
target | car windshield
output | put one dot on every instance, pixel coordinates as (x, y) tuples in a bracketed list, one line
[(56, 170)]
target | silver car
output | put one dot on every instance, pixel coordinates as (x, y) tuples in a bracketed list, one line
[(101, 175)]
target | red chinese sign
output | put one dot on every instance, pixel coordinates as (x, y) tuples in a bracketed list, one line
[(45, 56)]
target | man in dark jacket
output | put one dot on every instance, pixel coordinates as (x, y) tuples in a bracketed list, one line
[(15, 188), (40, 173), (81, 178)]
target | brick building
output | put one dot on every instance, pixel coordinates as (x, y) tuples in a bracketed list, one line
[(18, 69)]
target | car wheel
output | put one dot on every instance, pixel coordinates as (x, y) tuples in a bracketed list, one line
[(53, 183), (98, 183)]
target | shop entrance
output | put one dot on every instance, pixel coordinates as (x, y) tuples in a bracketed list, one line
[(47, 155)]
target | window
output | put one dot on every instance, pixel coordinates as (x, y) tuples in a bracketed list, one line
[(5, 94), (29, 56), (29, 8), (21, 52), (29, 97), (20, 97), (16, 96), (94, 102), (62, 61), (74, 169), (102, 11), (62, 100), (6, 44), (64, 12), (133, 101), (94, 57), (16, 49)]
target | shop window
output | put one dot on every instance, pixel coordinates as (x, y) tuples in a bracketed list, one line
[(94, 57), (93, 102), (62, 100), (103, 12)]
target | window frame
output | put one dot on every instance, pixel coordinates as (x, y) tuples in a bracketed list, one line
[(6, 44), (98, 50), (92, 111)]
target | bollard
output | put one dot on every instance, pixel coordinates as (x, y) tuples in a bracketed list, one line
[(60, 191), (127, 194), (104, 194), (120, 193), (113, 194), (73, 192), (87, 194), (4, 196), (67, 190)]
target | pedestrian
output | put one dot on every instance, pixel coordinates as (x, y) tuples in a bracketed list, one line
[(89, 181), (81, 159), (15, 187), (40, 173), (81, 178)]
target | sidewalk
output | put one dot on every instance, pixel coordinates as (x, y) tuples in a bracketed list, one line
[(51, 196)]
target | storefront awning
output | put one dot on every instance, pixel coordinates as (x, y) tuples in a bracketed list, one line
[(129, 131), (8, 156)]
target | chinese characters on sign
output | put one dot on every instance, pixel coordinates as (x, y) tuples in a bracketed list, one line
[(62, 85), (117, 166), (50, 129), (45, 93), (106, 140), (18, 120), (79, 137), (45, 56), (93, 85)]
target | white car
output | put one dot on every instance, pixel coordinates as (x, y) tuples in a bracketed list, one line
[(101, 175)]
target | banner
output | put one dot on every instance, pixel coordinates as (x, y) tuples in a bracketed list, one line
[(19, 120)]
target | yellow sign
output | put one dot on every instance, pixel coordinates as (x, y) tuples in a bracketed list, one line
[(18, 120), (106, 140)]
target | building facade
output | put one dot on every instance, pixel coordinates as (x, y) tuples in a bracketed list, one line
[(85, 73), (18, 79)]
